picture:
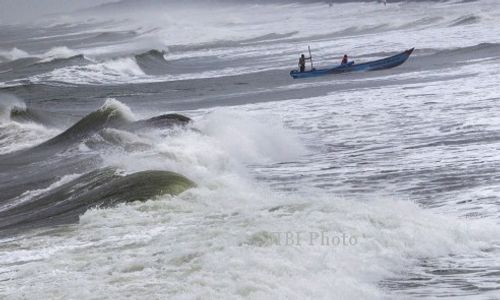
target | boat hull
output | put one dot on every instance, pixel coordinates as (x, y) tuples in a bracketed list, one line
[(381, 64)]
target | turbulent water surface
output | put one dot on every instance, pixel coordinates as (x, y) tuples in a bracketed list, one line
[(154, 150)]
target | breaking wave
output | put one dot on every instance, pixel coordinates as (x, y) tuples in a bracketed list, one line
[(59, 53), (51, 54), (96, 155), (13, 54), (101, 187), (113, 71), (152, 62), (21, 127)]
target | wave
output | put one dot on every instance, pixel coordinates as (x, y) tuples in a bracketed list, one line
[(51, 54), (125, 136), (261, 39), (21, 127), (111, 114), (58, 53), (19, 72), (13, 54), (112, 36), (152, 62), (13, 109), (16, 65), (16, 136), (65, 65), (59, 157), (162, 121), (78, 59), (113, 71), (9, 104), (243, 215), (488, 49), (268, 37), (28, 115), (466, 20), (426, 21), (163, 146), (461, 55), (32, 65), (288, 37), (97, 189)]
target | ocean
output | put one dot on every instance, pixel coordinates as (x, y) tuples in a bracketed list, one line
[(161, 150)]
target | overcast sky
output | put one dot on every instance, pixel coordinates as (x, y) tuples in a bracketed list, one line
[(13, 11)]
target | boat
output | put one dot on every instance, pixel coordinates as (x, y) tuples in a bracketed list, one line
[(381, 64)]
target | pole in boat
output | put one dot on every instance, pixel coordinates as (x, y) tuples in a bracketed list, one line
[(311, 57)]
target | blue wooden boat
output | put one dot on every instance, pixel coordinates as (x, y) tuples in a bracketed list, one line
[(381, 64)]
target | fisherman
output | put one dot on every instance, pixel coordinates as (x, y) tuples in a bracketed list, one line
[(344, 60), (302, 62)]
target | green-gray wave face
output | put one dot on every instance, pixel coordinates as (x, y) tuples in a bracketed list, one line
[(107, 116), (142, 186), (100, 188)]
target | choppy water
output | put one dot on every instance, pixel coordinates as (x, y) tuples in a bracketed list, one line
[(380, 185)]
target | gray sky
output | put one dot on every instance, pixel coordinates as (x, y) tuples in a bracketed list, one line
[(14, 11)]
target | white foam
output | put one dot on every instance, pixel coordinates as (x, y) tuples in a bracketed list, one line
[(118, 107), (216, 152), (199, 244), (251, 137), (13, 54), (9, 102), (57, 53), (15, 136), (119, 70)]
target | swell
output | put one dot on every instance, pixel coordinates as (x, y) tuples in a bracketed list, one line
[(479, 50), (30, 115), (22, 127), (438, 58), (28, 67), (466, 20), (263, 39), (152, 62), (111, 114), (101, 188), (426, 21), (107, 37), (57, 62), (41, 166)]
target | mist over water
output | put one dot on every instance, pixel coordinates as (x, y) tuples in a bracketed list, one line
[(159, 149)]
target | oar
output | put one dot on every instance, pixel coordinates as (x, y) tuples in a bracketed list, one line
[(310, 55)]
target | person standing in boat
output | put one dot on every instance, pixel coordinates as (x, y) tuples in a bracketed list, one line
[(345, 60), (302, 62)]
